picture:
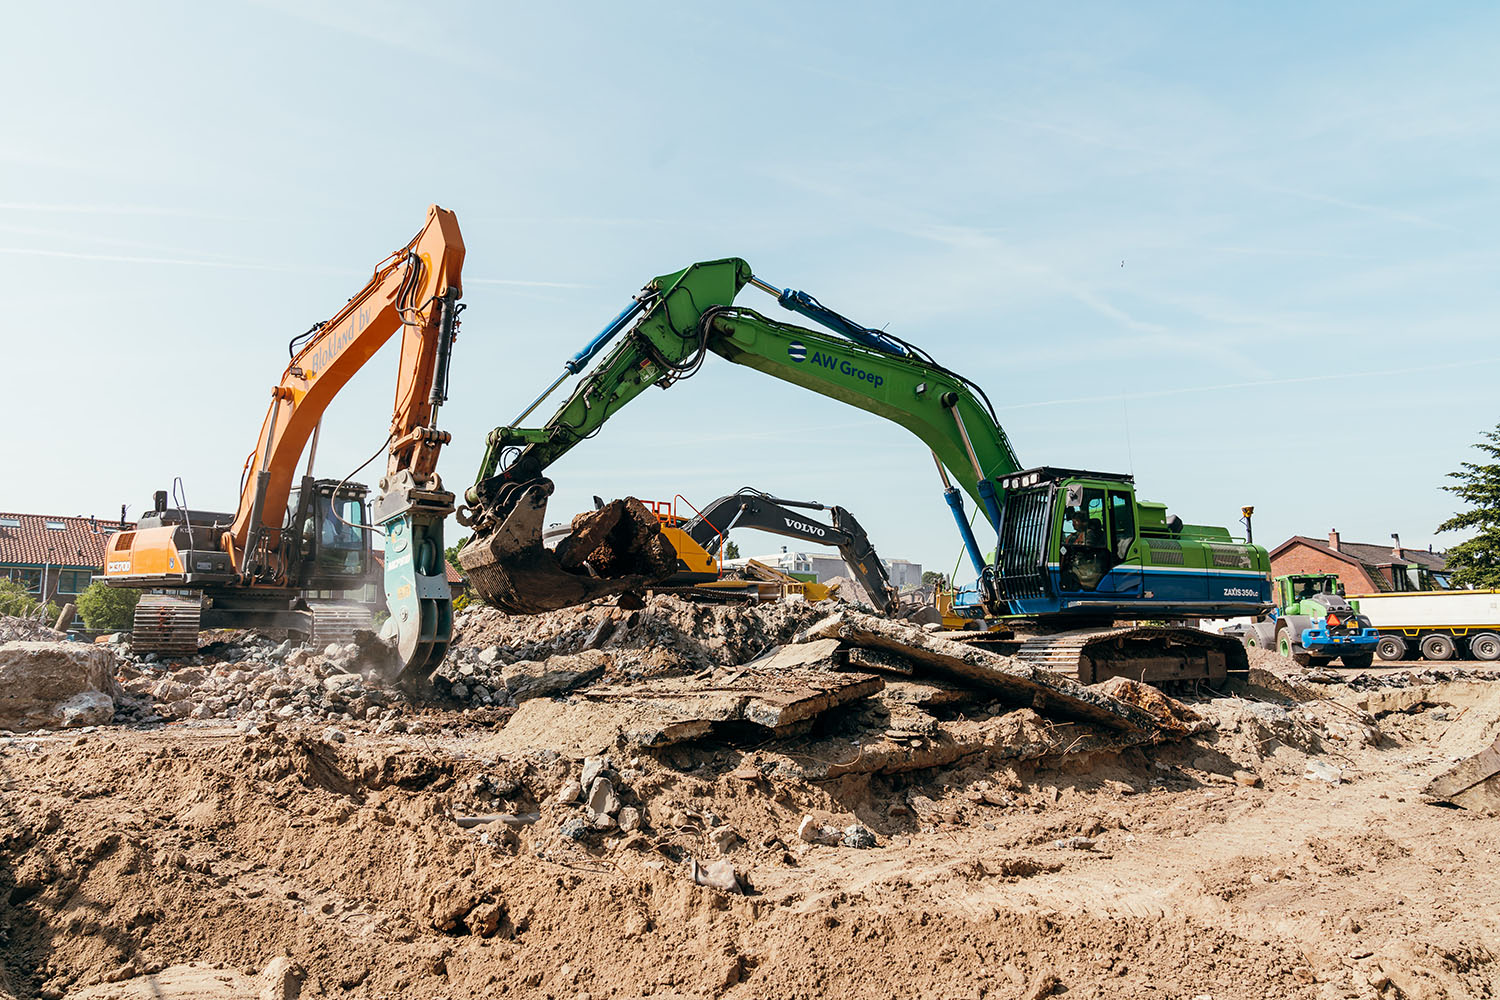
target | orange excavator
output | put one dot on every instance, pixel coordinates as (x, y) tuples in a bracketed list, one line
[(292, 541)]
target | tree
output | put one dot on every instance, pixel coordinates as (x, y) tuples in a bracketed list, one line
[(17, 602), (731, 550), (451, 554), (1476, 562), (108, 609), (932, 578)]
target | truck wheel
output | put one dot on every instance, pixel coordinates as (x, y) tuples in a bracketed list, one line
[(1291, 650), (1390, 647), (1251, 638), (1485, 646), (1357, 661), (1437, 647)]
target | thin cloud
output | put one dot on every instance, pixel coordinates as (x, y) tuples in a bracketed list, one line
[(1222, 386), (518, 283), (71, 208)]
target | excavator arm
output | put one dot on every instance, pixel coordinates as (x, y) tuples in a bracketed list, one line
[(668, 330), (414, 292), (753, 509)]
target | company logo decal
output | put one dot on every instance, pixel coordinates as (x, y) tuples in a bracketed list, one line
[(796, 351)]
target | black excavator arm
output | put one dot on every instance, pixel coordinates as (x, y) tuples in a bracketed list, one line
[(753, 509)]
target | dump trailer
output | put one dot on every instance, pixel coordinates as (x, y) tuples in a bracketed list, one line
[(1313, 624), (1077, 550), (1434, 624)]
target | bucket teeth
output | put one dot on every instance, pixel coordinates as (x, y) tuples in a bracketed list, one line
[(609, 551)]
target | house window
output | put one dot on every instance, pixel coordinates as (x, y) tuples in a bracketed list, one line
[(74, 581), (56, 526), (10, 522), (31, 579)]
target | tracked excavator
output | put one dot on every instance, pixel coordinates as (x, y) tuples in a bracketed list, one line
[(294, 537), (708, 529), (1078, 560)]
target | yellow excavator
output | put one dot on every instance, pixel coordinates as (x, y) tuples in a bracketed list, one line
[(700, 542)]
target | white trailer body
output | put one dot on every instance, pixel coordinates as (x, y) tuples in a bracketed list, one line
[(1437, 624)]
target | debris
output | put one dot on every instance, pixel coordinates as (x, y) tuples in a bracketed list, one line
[(281, 979), (535, 679), (1247, 779), (1020, 682), (569, 793), (629, 819), (719, 875), (858, 837), (724, 839), (813, 832), (1075, 843), (55, 684), (1321, 770), (602, 800), (1473, 783)]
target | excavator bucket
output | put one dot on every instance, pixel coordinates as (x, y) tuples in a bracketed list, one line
[(609, 551)]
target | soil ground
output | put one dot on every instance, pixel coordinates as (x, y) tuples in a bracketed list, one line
[(182, 860)]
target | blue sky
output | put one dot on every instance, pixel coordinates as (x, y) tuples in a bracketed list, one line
[(1247, 253)]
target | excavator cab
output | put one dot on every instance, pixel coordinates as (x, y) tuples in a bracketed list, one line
[(331, 532)]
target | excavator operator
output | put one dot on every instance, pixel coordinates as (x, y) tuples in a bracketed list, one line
[(1085, 560)]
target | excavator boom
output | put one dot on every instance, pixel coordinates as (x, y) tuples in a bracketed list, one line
[(753, 509), (270, 546)]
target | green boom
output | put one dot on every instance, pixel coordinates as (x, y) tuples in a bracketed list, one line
[(691, 311)]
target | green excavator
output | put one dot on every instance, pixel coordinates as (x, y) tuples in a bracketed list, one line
[(1078, 560)]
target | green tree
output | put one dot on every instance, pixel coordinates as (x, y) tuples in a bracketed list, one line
[(1476, 562), (451, 554), (932, 578), (108, 609), (17, 602), (731, 550)]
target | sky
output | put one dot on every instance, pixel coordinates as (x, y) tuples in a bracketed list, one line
[(1246, 253)]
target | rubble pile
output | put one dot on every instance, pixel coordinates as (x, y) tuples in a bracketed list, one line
[(13, 629), (256, 681)]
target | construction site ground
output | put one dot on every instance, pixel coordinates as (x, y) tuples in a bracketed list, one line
[(914, 841)]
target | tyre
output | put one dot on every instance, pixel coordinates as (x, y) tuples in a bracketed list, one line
[(1357, 661), (1251, 637), (1485, 646), (1291, 650), (1390, 647), (1437, 647)]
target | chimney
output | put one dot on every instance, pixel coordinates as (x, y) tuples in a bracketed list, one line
[(1333, 539), (122, 524), (1396, 549)]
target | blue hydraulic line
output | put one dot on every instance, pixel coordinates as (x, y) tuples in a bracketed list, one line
[(971, 545), (956, 504), (991, 501), (580, 360), (594, 346), (805, 304)]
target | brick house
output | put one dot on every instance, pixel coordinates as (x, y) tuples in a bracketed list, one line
[(55, 557), (1362, 568)]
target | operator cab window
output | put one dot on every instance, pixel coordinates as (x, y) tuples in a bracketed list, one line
[(1121, 526), (1085, 557), (341, 548)]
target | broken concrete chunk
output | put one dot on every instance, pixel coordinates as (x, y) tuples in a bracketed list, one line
[(1016, 680), (1321, 770), (858, 837), (528, 679), (818, 653), (1473, 783), (602, 799), (569, 793), (719, 875), (629, 819), (813, 832), (55, 684)]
